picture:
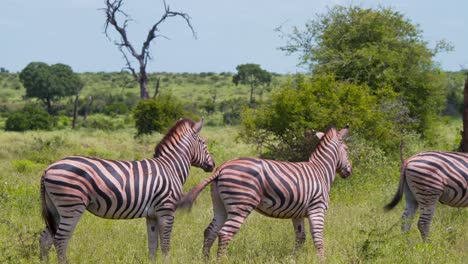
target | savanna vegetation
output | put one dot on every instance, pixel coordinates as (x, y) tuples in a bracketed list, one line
[(369, 68)]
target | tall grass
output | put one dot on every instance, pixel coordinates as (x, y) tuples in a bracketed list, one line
[(356, 228)]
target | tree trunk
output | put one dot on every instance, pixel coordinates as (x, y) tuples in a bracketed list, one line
[(143, 80), (464, 141), (75, 111), (49, 106), (156, 91), (252, 95), (88, 105)]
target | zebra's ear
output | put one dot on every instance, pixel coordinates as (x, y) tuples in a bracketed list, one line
[(198, 126), (344, 132), (319, 135)]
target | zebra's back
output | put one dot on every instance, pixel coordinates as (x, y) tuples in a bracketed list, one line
[(108, 188), (434, 172)]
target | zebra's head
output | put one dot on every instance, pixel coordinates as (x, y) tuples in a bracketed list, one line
[(344, 167), (200, 156)]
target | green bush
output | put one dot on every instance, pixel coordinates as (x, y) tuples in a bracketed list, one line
[(29, 118), (116, 108), (285, 126), (157, 114)]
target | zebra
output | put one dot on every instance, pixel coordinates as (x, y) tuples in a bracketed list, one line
[(278, 189), (115, 189), (429, 177)]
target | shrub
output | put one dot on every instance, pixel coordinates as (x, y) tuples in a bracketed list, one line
[(116, 108), (157, 114), (29, 118), (284, 126)]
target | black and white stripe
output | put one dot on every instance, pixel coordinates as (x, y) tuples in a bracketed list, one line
[(122, 189), (294, 190), (429, 177)]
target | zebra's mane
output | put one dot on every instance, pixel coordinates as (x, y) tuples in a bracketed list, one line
[(330, 132), (183, 122)]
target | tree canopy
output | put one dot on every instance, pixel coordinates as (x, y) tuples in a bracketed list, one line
[(253, 75), (376, 47), (49, 83)]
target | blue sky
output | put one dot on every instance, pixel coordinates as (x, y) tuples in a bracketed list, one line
[(229, 32)]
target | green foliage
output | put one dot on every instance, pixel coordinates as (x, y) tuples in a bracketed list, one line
[(102, 122), (455, 86), (30, 117), (156, 115), (379, 48), (231, 110), (49, 83), (304, 105)]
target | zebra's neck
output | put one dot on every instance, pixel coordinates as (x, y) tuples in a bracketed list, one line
[(325, 160), (177, 158)]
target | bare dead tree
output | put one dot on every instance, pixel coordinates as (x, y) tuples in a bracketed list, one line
[(112, 10)]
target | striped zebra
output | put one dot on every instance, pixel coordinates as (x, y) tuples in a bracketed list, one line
[(288, 190), (114, 189), (429, 177)]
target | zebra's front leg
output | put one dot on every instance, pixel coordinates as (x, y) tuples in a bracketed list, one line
[(152, 228), (316, 222), (165, 223), (298, 224)]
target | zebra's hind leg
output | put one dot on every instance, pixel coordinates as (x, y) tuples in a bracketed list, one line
[(427, 209), (316, 222), (211, 232), (152, 229), (69, 217), (45, 243), (410, 209), (298, 224), (165, 223), (236, 215)]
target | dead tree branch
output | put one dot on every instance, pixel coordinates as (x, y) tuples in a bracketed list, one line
[(112, 10)]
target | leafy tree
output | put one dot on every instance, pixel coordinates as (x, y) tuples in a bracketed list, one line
[(306, 104), (251, 74), (49, 83), (379, 48), (156, 115)]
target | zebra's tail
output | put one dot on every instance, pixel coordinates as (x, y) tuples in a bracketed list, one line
[(187, 199), (399, 193), (47, 213)]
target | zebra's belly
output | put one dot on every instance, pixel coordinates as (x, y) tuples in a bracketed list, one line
[(277, 209), (115, 212)]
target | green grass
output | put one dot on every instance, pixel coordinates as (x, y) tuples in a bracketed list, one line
[(356, 229)]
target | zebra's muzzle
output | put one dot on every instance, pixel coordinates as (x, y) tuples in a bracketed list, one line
[(208, 167), (346, 172)]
